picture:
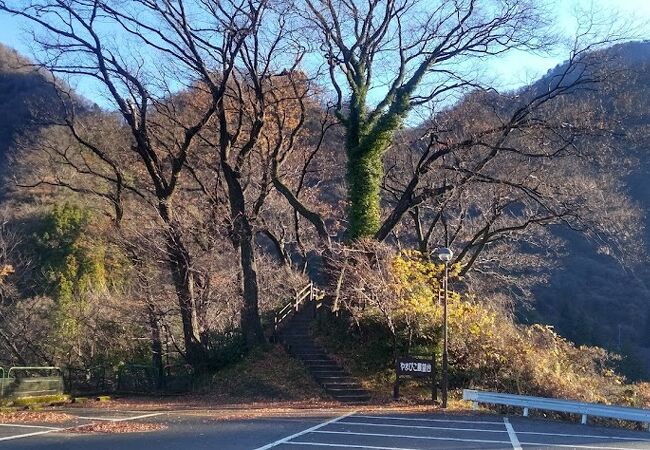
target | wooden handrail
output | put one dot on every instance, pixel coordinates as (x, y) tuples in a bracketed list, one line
[(307, 293)]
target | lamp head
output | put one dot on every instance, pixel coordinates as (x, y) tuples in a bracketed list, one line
[(444, 254)]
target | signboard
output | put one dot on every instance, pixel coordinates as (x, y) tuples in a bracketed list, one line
[(417, 368), (422, 368)]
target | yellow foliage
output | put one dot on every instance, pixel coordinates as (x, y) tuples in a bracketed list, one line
[(487, 348), (5, 271)]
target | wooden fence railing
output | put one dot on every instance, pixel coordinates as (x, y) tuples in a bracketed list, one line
[(306, 295)]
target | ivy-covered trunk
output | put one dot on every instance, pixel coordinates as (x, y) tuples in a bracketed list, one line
[(364, 173), (368, 137)]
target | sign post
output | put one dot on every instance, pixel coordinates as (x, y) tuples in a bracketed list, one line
[(416, 368)]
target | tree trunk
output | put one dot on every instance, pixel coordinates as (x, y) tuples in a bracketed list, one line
[(156, 349), (364, 174), (250, 318), (242, 238), (180, 263)]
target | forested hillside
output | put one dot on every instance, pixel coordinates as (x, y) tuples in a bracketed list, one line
[(596, 295), (27, 97), (168, 228)]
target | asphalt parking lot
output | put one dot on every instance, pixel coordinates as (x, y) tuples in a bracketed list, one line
[(319, 430)]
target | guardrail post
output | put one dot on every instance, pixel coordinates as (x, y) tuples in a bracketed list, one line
[(474, 406), (584, 419), (526, 412), (275, 328)]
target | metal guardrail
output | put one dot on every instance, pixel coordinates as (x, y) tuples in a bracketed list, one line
[(32, 369), (31, 381), (552, 404)]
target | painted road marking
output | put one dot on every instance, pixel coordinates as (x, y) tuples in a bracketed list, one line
[(36, 433), (120, 419), (511, 433), (589, 436), (317, 444), (538, 433), (598, 447), (421, 427), (430, 420), (16, 425), (53, 429), (407, 436), (308, 430)]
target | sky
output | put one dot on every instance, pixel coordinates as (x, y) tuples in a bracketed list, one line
[(510, 71)]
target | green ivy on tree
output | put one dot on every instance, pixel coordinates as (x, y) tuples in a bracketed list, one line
[(74, 263)]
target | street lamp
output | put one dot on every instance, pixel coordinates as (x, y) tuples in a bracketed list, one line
[(445, 255)]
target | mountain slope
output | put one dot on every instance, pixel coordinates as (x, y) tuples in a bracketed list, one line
[(591, 297), (27, 98)]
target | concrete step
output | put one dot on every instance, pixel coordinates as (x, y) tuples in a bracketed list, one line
[(307, 351), (297, 343), (308, 354), (352, 398), (324, 371), (352, 391), (320, 364), (329, 379), (323, 360), (324, 368), (304, 350), (339, 385)]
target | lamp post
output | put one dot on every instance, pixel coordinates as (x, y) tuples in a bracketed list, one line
[(445, 255)]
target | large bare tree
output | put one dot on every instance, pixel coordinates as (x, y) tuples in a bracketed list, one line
[(159, 50), (387, 57)]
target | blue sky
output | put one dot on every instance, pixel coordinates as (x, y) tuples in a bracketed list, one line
[(510, 71)]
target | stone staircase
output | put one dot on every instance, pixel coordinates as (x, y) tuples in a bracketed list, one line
[(338, 383)]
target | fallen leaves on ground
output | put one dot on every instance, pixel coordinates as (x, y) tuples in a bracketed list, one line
[(35, 416), (118, 427)]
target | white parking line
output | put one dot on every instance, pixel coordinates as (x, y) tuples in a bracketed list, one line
[(421, 427), (16, 425), (484, 422), (120, 419), (47, 430), (587, 436), (596, 447), (308, 430), (511, 433), (36, 433), (318, 444), (19, 436), (407, 436)]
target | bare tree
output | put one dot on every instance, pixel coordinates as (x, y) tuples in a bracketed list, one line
[(77, 42), (420, 53)]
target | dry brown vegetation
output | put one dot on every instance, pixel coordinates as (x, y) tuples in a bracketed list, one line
[(226, 173)]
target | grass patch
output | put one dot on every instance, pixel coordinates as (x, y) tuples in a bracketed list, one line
[(265, 374), (38, 401)]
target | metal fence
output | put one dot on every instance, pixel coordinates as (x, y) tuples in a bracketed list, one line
[(126, 379), (20, 382)]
